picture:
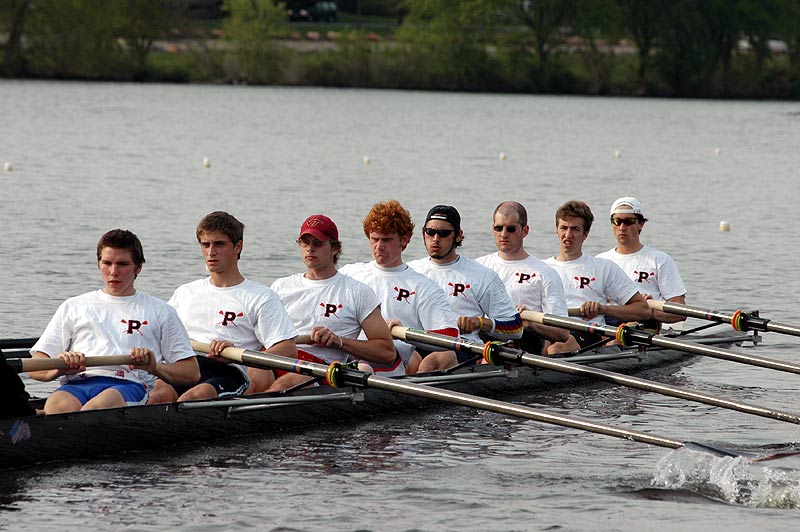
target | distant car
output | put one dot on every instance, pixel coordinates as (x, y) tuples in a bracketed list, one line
[(312, 11)]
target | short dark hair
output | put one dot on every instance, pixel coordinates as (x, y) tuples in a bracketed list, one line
[(224, 223), (122, 239), (576, 209)]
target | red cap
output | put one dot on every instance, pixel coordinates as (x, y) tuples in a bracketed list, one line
[(321, 227)]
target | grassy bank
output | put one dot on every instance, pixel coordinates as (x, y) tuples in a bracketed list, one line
[(367, 60), (464, 46)]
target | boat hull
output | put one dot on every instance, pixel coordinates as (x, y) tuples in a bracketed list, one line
[(89, 435)]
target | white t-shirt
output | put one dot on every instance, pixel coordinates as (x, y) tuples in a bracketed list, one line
[(339, 303), (249, 315), (99, 324), (653, 271), (406, 295), (530, 282), (591, 279), (474, 290)]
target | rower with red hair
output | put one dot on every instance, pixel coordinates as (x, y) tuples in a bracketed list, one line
[(407, 298)]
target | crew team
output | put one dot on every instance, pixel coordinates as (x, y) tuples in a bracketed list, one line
[(325, 314)]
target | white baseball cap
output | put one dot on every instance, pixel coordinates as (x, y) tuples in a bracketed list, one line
[(627, 205)]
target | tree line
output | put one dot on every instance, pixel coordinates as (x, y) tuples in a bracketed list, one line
[(703, 48)]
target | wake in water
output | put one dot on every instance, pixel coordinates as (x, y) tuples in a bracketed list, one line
[(735, 480)]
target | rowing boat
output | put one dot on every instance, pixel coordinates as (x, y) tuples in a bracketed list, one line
[(92, 434)]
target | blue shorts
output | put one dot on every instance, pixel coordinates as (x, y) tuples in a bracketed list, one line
[(83, 390)]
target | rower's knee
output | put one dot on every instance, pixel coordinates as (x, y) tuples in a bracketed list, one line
[(199, 392), (108, 398), (61, 402), (162, 393), (412, 366), (260, 380), (437, 361)]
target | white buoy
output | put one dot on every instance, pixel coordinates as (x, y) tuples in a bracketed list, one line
[(366, 160), (724, 226), (206, 163), (7, 167), (617, 154), (717, 151), (503, 156)]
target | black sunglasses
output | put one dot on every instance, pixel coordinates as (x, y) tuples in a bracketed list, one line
[(624, 221), (509, 228), (443, 233)]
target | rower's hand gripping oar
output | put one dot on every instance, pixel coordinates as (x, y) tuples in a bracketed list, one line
[(24, 365), (628, 336), (739, 320), (339, 375)]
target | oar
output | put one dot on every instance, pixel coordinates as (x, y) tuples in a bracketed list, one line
[(496, 353), (739, 320), (24, 365), (627, 336), (339, 375)]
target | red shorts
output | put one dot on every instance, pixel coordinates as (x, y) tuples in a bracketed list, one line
[(302, 355)]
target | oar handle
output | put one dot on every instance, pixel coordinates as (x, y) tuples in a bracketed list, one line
[(535, 317), (43, 364)]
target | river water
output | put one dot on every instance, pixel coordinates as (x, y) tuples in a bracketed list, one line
[(89, 157)]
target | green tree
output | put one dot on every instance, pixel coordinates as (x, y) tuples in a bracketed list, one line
[(598, 24), (252, 27), (75, 38), (145, 21), (14, 63), (687, 53), (788, 28), (95, 39), (544, 19), (759, 25), (449, 40), (641, 18)]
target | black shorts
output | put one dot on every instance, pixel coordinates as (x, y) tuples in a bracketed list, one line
[(530, 342), (225, 378), (586, 339)]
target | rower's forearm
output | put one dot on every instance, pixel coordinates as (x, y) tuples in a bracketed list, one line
[(377, 350), (548, 332), (632, 312), (185, 372), (45, 375), (666, 317)]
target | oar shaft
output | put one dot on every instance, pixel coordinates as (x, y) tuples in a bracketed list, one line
[(642, 338), (520, 357), (266, 360), (518, 411), (749, 322), (43, 364)]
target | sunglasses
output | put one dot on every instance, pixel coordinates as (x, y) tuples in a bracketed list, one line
[(624, 221), (443, 233), (509, 228)]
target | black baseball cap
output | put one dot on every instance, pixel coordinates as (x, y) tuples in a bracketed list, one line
[(445, 213)]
